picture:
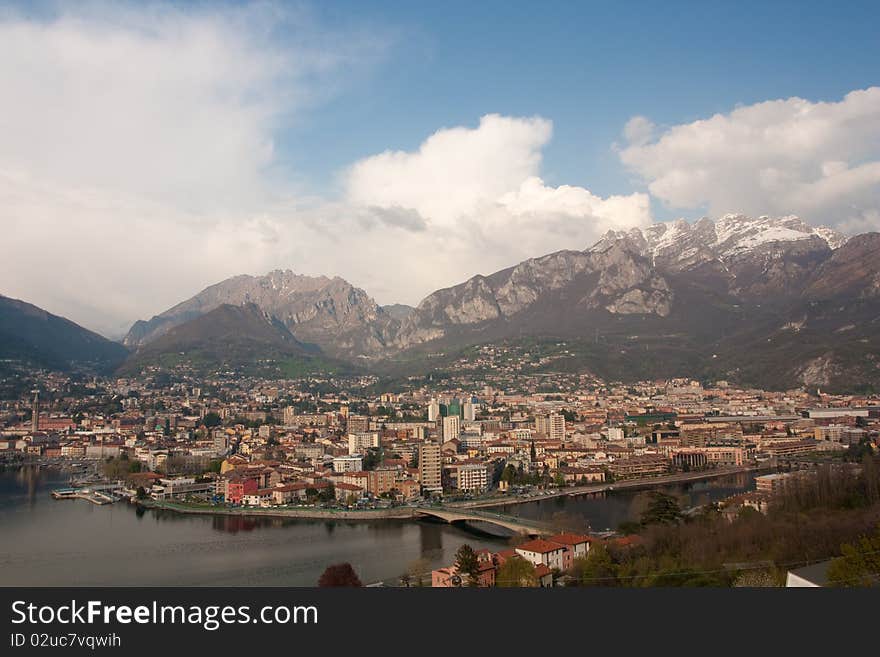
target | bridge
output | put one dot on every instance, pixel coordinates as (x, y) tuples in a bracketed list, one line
[(512, 523)]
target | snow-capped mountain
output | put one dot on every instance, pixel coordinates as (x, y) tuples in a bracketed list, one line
[(683, 244), (771, 301)]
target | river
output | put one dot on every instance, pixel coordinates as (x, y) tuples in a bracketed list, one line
[(47, 542)]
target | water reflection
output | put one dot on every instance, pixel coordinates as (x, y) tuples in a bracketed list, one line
[(40, 538)]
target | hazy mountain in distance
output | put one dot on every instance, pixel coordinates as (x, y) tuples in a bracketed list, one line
[(31, 334), (330, 312), (398, 311), (235, 337)]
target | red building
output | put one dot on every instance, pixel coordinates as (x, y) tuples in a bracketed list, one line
[(237, 488)]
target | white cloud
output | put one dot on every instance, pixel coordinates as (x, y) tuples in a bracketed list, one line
[(455, 171), (639, 130), (820, 160), (138, 165), (137, 156), (482, 203)]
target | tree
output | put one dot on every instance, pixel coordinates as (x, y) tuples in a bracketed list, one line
[(859, 565), (596, 569), (340, 574), (871, 478), (663, 509), (516, 572), (467, 565), (372, 458), (212, 419), (327, 493)]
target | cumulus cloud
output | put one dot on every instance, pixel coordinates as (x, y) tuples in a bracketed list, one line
[(138, 164), (455, 171), (638, 130), (137, 148), (820, 160), (482, 201)]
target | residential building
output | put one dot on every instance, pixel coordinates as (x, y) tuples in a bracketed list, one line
[(430, 467)]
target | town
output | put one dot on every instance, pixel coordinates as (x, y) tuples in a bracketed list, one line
[(315, 447)]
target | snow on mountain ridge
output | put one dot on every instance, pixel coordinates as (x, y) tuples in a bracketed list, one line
[(725, 237)]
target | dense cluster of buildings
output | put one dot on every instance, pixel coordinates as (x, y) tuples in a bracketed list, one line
[(267, 443)]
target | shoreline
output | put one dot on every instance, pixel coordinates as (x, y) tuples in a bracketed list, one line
[(412, 513), (627, 484)]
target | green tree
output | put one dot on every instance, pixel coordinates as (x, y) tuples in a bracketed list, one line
[(212, 419), (859, 565), (663, 509), (596, 569), (467, 565), (516, 572)]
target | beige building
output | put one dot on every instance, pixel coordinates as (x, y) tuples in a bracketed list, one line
[(451, 427), (552, 426), (430, 467)]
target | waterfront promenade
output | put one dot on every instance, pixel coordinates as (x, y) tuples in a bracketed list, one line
[(452, 511)]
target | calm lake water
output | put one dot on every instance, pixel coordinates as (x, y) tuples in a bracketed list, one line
[(45, 542)]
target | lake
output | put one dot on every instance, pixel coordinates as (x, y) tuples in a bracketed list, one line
[(47, 542)]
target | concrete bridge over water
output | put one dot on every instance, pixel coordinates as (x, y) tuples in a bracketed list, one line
[(461, 515)]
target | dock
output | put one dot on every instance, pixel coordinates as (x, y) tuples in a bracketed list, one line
[(100, 497)]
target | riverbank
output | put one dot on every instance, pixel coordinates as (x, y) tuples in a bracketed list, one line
[(403, 513), (413, 512), (629, 484)]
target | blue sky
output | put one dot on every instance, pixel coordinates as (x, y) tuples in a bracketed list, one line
[(588, 67), (407, 146)]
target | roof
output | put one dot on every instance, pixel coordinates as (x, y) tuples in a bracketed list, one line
[(542, 571), (816, 574), (540, 546), (570, 539)]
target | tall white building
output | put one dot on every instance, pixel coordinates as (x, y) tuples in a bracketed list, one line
[(469, 411), (557, 427), (433, 410), (451, 427), (552, 426)]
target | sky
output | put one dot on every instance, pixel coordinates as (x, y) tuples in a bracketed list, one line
[(148, 150)]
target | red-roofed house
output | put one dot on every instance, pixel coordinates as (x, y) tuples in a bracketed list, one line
[(540, 551)]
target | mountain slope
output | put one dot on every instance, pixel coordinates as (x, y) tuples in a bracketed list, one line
[(31, 334), (330, 312), (229, 337), (759, 301), (770, 301)]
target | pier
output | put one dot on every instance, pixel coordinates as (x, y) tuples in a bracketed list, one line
[(99, 494)]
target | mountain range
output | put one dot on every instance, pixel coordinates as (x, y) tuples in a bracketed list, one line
[(768, 301)]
